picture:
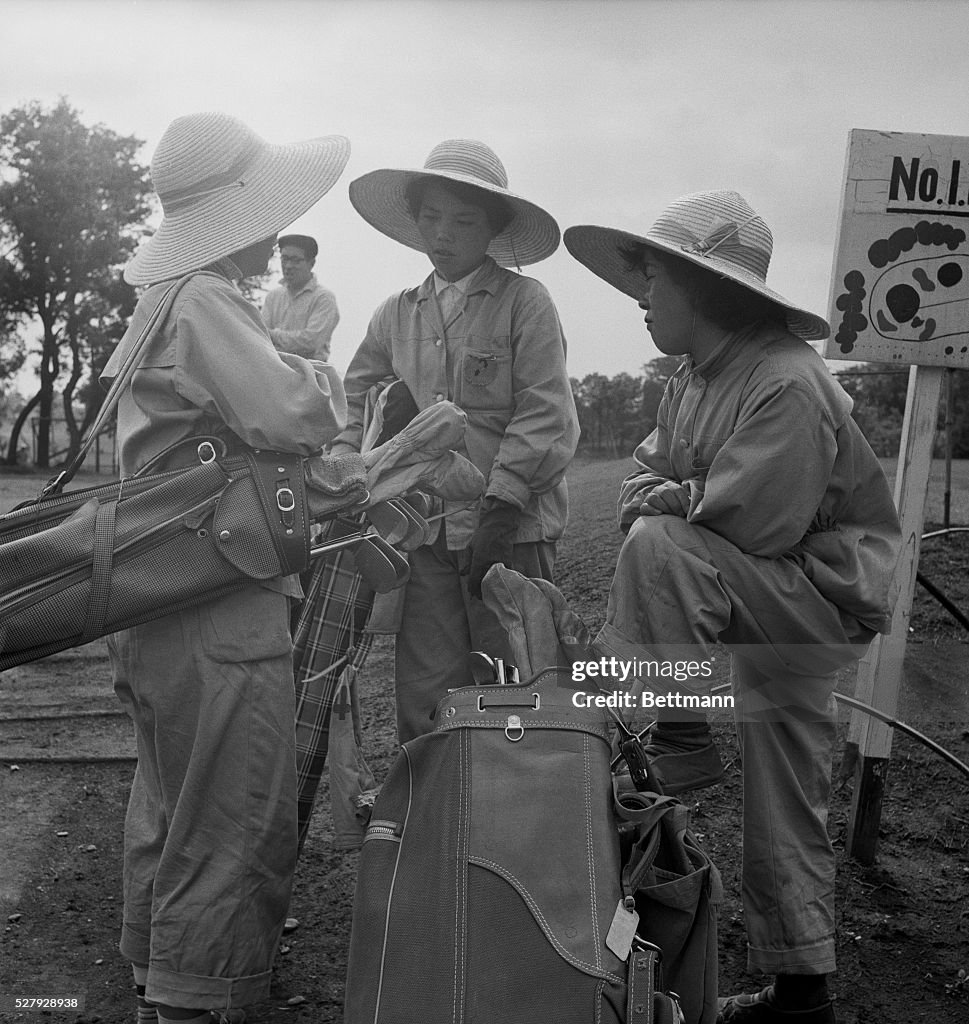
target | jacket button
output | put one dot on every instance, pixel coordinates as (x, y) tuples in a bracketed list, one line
[(439, 397)]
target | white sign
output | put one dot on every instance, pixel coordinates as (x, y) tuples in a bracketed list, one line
[(900, 288)]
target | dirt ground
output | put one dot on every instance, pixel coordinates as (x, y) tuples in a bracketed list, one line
[(903, 941)]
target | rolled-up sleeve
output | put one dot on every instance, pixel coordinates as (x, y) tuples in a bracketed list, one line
[(542, 434), (226, 365)]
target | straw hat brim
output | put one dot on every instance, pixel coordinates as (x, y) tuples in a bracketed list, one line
[(281, 183), (599, 249), (379, 197)]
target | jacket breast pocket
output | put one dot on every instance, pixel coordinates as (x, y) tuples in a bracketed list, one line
[(705, 450), (484, 376)]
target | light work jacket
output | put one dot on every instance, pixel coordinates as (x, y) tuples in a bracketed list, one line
[(763, 433), (210, 368), (501, 358)]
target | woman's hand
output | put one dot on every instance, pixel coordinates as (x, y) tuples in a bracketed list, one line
[(667, 499)]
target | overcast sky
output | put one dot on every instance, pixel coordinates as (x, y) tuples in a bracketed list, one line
[(602, 112)]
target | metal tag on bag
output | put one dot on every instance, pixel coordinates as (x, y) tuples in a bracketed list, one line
[(622, 931)]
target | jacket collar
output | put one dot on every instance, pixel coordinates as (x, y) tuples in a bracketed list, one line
[(308, 286), (486, 279), (734, 346), (226, 268)]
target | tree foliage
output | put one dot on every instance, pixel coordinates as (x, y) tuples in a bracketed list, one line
[(616, 413), (72, 202), (879, 390)]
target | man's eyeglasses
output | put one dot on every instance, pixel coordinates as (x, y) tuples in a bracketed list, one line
[(285, 260)]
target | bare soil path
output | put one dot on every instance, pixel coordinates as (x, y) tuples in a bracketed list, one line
[(66, 764)]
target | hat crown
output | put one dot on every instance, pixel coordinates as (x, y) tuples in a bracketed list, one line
[(719, 226), (200, 153), (468, 158)]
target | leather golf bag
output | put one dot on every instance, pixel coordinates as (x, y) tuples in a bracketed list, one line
[(489, 886), (78, 565)]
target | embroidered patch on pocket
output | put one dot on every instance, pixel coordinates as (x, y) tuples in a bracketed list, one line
[(480, 370)]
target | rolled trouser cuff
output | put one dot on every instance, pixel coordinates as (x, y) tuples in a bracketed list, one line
[(190, 992), (816, 959)]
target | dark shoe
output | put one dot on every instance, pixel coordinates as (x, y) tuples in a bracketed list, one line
[(760, 1008), (683, 762)]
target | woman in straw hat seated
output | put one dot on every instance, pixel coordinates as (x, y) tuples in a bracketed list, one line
[(210, 834), (490, 341), (758, 517)]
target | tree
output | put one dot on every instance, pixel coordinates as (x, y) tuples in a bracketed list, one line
[(958, 381), (657, 372), (588, 394), (72, 202), (610, 411), (879, 393), (624, 414)]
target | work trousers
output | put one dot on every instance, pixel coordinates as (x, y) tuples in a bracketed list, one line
[(677, 590), (210, 832), (441, 624)]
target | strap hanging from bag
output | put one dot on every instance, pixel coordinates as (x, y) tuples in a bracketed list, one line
[(128, 366), (103, 562), (645, 1003), (631, 751)]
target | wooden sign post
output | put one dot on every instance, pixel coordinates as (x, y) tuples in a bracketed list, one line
[(881, 672), (900, 294)]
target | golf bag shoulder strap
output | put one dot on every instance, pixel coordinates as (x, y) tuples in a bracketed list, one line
[(128, 366), (645, 1002)]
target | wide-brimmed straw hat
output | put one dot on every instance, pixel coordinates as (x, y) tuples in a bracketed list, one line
[(379, 197), (222, 187), (716, 230)]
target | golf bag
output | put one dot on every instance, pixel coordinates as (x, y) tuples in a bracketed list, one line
[(79, 565), (492, 871)]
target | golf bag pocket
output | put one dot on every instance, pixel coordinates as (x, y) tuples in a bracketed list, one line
[(490, 871), (676, 888)]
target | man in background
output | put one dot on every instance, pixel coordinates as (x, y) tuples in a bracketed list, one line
[(300, 313)]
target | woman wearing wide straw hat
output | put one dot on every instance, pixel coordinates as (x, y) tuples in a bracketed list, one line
[(490, 341), (759, 517), (210, 834)]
